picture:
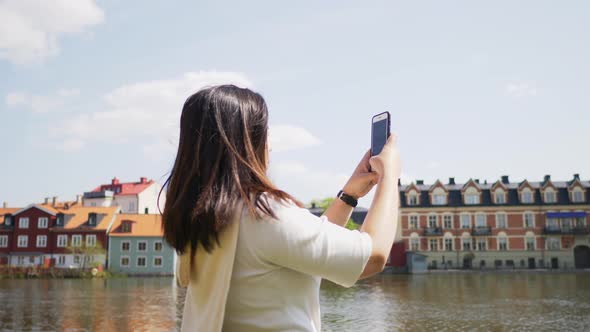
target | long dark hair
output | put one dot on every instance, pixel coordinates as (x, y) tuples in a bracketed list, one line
[(220, 166)]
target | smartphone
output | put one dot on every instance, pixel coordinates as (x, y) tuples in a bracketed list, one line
[(380, 131)]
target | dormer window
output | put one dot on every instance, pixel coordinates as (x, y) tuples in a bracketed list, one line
[(8, 220), (577, 195), (439, 196), (412, 198), (92, 219), (471, 196), (59, 220), (526, 196), (549, 196), (499, 196), (126, 227)]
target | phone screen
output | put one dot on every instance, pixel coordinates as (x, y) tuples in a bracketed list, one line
[(379, 133)]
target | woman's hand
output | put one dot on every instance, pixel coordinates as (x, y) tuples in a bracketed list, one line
[(362, 180), (387, 163)]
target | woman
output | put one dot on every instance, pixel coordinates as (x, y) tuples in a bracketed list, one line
[(252, 256)]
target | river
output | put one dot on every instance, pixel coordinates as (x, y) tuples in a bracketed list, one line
[(442, 302)]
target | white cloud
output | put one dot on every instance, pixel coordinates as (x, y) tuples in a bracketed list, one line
[(40, 103), (286, 137), (30, 29), (521, 89), (145, 114)]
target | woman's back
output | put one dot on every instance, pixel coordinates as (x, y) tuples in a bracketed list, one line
[(279, 265)]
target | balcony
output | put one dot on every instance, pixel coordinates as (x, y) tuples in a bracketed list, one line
[(432, 231), (481, 231), (581, 230), (552, 230)]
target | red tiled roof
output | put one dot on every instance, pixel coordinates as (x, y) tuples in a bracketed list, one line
[(142, 225), (127, 188)]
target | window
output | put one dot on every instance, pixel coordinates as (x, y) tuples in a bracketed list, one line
[(465, 221), (499, 197), (439, 199), (553, 244), (141, 261), (578, 196), (527, 196), (449, 244), (22, 241), (412, 198), (466, 243), (131, 206), (501, 220), (76, 240), (124, 261), (91, 240), (76, 259), (581, 222), (23, 222), (414, 244), (530, 243), (61, 260), (158, 246), (481, 244), (529, 220), (502, 243), (157, 261), (413, 222), (141, 246), (549, 196), (21, 260), (62, 241), (41, 241), (93, 204), (42, 222), (448, 221), (32, 259), (552, 223), (3, 241), (433, 244), (126, 227), (480, 220), (471, 199), (432, 220), (566, 224), (125, 246)]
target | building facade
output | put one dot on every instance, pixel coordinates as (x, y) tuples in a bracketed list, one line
[(136, 246), (131, 197), (498, 225)]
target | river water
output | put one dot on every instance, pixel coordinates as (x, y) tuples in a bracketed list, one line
[(441, 302)]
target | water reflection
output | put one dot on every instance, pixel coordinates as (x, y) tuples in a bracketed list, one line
[(445, 302)]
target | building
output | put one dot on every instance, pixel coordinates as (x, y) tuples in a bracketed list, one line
[(498, 225), (136, 246), (79, 236), (54, 235), (132, 197)]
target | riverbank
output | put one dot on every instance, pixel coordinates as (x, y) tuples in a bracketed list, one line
[(484, 271), (54, 273)]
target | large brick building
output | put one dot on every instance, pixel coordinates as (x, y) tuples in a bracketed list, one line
[(498, 225)]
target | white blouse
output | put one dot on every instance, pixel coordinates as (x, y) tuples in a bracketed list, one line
[(278, 267)]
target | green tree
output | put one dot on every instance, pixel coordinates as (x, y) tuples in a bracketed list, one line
[(324, 203), (86, 252)]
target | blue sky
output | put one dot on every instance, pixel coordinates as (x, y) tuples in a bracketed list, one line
[(93, 89)]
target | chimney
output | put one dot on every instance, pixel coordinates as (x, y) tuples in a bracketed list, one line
[(313, 205), (54, 201), (419, 182), (451, 180), (477, 181), (399, 182), (46, 201), (79, 199), (576, 176), (505, 179), (547, 178), (142, 180), (4, 205), (115, 181)]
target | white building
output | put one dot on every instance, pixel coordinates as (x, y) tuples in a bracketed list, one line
[(131, 197)]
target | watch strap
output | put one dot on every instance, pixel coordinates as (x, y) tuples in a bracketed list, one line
[(346, 198)]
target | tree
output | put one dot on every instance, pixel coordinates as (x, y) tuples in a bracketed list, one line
[(86, 251), (324, 203)]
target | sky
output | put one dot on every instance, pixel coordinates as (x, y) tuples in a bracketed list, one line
[(90, 90)]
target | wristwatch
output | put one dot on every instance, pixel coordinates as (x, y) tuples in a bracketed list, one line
[(346, 198)]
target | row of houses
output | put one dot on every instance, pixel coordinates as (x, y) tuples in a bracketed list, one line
[(115, 225)]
